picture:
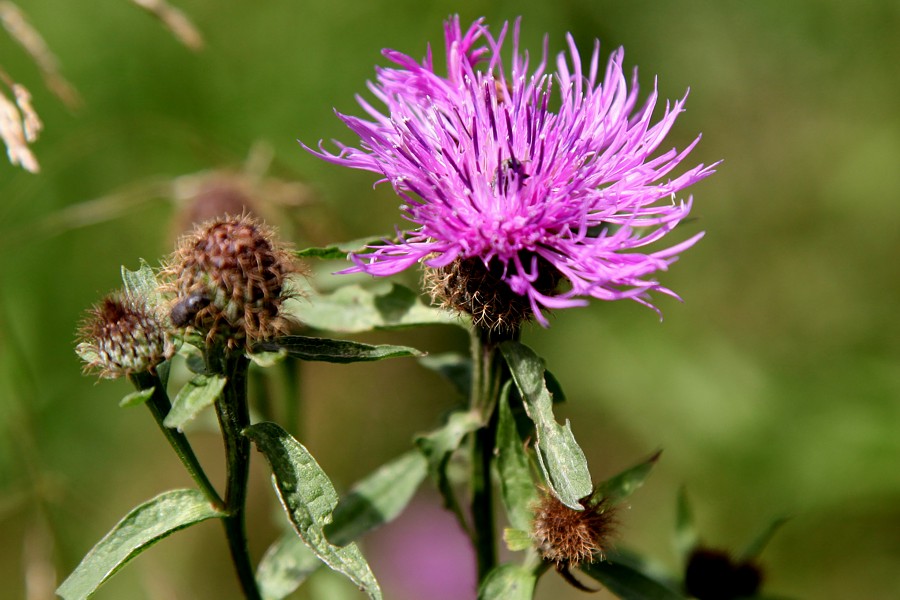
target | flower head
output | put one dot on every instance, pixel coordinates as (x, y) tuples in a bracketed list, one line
[(122, 335), (522, 172), (229, 278), (568, 537)]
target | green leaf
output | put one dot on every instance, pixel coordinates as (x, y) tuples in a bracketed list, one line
[(452, 366), (560, 456), (333, 351), (516, 487), (309, 499), (337, 251), (142, 284), (440, 444), (268, 359), (378, 498), (618, 487), (756, 546), (285, 565), (517, 539), (628, 583), (373, 501), (140, 529), (136, 398), (508, 582), (197, 394), (686, 536), (355, 309)]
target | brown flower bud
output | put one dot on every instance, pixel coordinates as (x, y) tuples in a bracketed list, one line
[(229, 278), (122, 335), (569, 537)]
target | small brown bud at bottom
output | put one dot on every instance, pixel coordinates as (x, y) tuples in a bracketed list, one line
[(468, 286), (571, 537)]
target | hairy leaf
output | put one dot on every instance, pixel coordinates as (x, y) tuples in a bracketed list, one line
[(508, 582), (140, 529), (333, 351), (560, 456), (620, 486), (354, 309), (516, 487), (628, 583), (197, 394), (136, 398), (309, 499)]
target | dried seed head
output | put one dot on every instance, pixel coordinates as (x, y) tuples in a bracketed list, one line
[(121, 335), (715, 575), (229, 279), (570, 537), (468, 286)]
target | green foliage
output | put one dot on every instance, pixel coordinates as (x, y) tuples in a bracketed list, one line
[(517, 539), (758, 543), (140, 529), (620, 486), (373, 501), (333, 351), (309, 499), (516, 486), (628, 583), (142, 284), (508, 582), (439, 445), (356, 309), (685, 530), (197, 394), (452, 366), (337, 251), (136, 398), (561, 458)]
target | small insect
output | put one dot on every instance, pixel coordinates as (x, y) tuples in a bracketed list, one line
[(185, 310)]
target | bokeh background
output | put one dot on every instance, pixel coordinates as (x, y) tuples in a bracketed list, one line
[(773, 390)]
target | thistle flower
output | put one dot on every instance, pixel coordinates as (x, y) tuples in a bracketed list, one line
[(552, 205), (229, 278), (121, 335)]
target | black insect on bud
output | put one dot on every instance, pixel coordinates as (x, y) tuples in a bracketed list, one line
[(185, 310)]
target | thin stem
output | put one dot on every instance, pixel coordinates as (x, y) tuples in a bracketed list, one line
[(159, 406), (234, 416), (488, 374)]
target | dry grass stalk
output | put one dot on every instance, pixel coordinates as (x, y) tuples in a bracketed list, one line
[(17, 130), (175, 21), (21, 31)]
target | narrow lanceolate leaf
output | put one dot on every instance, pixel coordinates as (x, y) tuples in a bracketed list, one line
[(686, 536), (285, 565), (508, 582), (142, 284), (136, 398), (373, 501), (440, 444), (757, 544), (333, 351), (337, 251), (620, 486), (309, 499), (516, 487), (628, 583), (354, 309), (378, 498), (140, 529), (197, 394), (560, 456)]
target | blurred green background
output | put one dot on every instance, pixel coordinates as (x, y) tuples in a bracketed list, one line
[(774, 389)]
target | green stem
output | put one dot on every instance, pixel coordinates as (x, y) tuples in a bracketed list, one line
[(487, 380), (234, 416), (159, 406)]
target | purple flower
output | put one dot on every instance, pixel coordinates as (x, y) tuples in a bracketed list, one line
[(523, 171)]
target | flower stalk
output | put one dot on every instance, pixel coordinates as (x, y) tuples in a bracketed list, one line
[(160, 406), (233, 413)]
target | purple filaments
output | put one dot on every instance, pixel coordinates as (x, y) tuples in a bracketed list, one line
[(532, 170)]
